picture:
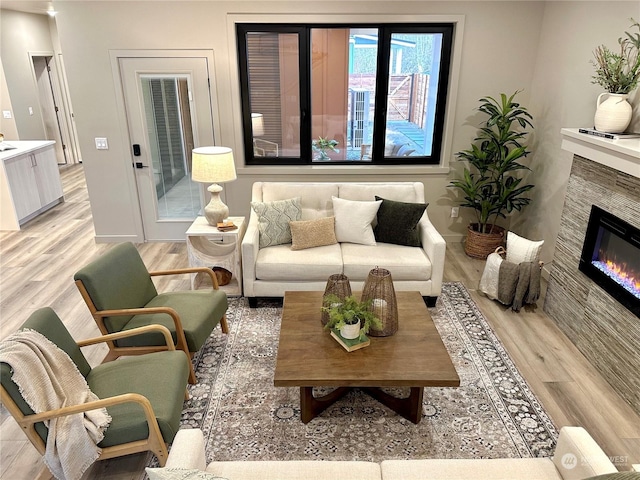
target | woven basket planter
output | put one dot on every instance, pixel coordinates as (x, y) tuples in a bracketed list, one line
[(222, 275), (480, 245)]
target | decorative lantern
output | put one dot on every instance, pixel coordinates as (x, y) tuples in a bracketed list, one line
[(338, 285), (379, 289)]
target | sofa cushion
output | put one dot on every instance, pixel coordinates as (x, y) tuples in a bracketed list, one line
[(313, 233), (296, 470), (353, 220), (465, 469), (280, 263), (397, 222), (404, 192), (274, 218), (315, 198), (404, 263)]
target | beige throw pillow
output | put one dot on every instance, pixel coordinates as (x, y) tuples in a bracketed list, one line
[(313, 233)]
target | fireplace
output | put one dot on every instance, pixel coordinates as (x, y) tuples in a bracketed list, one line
[(611, 257)]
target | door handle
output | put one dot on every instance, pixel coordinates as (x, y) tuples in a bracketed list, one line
[(140, 165)]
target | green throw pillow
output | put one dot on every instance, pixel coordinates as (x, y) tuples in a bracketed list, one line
[(274, 218), (398, 222)]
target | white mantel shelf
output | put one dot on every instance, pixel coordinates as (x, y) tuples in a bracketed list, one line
[(621, 155)]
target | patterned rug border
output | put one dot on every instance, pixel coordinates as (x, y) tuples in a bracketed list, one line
[(530, 431), (523, 424)]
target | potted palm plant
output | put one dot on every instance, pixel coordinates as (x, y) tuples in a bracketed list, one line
[(618, 73), (351, 317), (491, 184)]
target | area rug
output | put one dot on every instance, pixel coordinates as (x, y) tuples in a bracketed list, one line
[(493, 414)]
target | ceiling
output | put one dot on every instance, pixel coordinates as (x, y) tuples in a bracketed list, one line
[(28, 6)]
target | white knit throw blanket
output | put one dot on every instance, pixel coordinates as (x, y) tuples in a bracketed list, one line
[(48, 379)]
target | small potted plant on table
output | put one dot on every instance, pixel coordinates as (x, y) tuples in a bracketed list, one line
[(349, 316)]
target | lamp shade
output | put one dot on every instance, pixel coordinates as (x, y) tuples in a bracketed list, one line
[(257, 124), (212, 165)]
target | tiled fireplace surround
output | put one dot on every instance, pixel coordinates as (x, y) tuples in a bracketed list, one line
[(606, 333)]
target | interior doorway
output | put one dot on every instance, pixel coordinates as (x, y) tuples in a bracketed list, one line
[(56, 116)]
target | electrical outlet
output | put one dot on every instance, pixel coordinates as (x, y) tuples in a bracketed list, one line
[(6, 114), (101, 144), (454, 212)]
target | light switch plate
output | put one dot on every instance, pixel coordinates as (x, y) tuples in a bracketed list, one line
[(101, 144), (6, 114)]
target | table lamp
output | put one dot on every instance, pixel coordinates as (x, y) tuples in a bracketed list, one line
[(213, 165)]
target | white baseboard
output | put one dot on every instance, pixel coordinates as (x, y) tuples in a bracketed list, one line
[(118, 239), (455, 238)]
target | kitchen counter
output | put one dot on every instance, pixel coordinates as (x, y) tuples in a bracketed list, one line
[(29, 181)]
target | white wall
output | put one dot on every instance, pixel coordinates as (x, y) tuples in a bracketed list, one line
[(7, 126), (499, 54), (21, 33), (562, 96)]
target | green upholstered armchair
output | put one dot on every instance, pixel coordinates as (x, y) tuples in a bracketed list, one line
[(144, 416), (120, 294)]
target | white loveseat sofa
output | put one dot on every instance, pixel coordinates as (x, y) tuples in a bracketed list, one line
[(577, 457), (270, 271)]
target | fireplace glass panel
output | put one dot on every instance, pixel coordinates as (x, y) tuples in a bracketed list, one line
[(619, 260), (611, 257)]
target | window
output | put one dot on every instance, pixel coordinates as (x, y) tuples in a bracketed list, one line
[(316, 94)]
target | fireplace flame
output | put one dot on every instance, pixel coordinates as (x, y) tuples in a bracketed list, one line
[(619, 272)]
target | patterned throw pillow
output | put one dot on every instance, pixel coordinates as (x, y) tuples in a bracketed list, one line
[(274, 218), (519, 249), (353, 220), (313, 233), (179, 474), (398, 222)]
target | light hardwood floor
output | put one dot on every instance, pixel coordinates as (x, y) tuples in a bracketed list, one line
[(37, 266)]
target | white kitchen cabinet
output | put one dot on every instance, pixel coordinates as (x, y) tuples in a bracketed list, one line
[(29, 182)]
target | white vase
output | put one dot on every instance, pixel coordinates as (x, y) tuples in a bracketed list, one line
[(350, 332), (613, 112)]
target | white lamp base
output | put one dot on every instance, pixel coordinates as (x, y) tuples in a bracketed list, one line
[(216, 211)]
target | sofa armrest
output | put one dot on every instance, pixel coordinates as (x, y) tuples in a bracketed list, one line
[(435, 247), (187, 450), (250, 248), (578, 455)]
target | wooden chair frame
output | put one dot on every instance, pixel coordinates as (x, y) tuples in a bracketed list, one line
[(181, 344), (154, 443)]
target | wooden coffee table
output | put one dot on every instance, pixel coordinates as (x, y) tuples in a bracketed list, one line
[(308, 357)]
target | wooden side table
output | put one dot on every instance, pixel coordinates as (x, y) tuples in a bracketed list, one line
[(209, 247)]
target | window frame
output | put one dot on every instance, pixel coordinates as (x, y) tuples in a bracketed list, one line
[(385, 32)]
